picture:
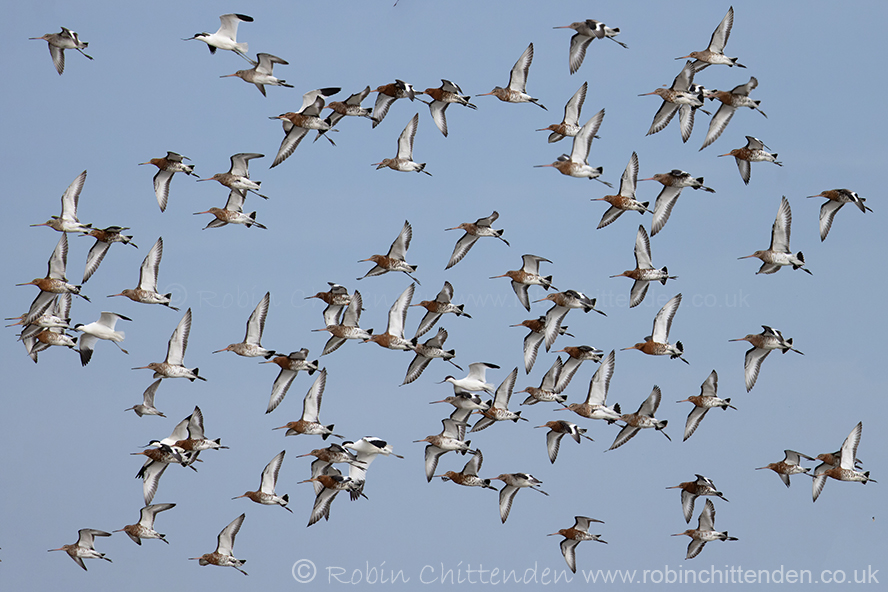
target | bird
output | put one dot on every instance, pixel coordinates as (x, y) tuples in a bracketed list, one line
[(67, 221), (58, 43), (146, 292), (587, 31), (83, 548), (146, 407), (443, 96), (657, 343), (266, 495), (425, 352), (557, 430), (104, 237), (468, 477), (533, 339), (365, 450), (348, 328), (546, 392), (562, 303), (404, 160), (576, 165), (706, 400), (54, 283), (144, 528), (683, 97), (762, 344), (394, 259), (101, 329), (189, 437), (514, 482), (261, 73), (845, 471), (297, 124), (172, 366), (448, 440), (527, 276), (516, 92), (691, 490), (625, 200), (476, 380), (673, 182), (836, 198), (232, 213), (570, 124), (731, 101), (350, 107), (333, 482), (644, 272), (251, 347), (224, 546), (714, 54), (159, 457), (704, 532), (290, 366), (790, 465), (226, 36), (576, 355), (388, 94), (438, 307), (167, 167), (473, 231), (595, 405), (238, 175), (393, 338), (498, 410), (643, 418), (778, 254), (573, 536), (311, 406), (754, 151)]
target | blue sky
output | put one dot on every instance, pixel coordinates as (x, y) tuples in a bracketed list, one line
[(67, 441)]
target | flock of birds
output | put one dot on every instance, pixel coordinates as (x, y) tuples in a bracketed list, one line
[(47, 321)]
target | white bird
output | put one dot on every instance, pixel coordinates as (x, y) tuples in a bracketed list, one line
[(226, 36), (251, 346), (224, 545), (172, 366), (476, 380), (101, 329), (146, 407), (83, 548), (366, 450)]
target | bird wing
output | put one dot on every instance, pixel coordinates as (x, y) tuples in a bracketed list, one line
[(626, 434), (662, 117), (95, 256), (381, 107), (550, 379), (744, 168), (663, 320), (827, 213), (569, 546), (849, 448), (609, 216), (627, 181), (578, 45), (179, 341), (554, 317), (235, 202), (752, 363), (267, 62), (722, 32), (694, 418), (506, 495), (531, 347), (289, 143), (256, 322), (150, 265), (718, 123), (162, 187), (71, 197), (643, 248), (87, 343), (416, 368), (432, 454), (575, 105), (437, 109), (638, 292), (553, 442), (462, 248), (399, 248), (649, 407), (709, 388), (58, 261), (311, 406), (600, 382), (147, 514), (531, 263), (707, 517), (151, 478), (240, 163), (474, 465), (353, 311), (148, 395), (58, 60), (781, 229), (504, 390), (518, 76), (583, 140), (225, 540), (270, 473), (686, 121), (694, 548), (405, 140), (397, 316)]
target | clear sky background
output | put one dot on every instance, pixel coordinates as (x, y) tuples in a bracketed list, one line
[(66, 441)]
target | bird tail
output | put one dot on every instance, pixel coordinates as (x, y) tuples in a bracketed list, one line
[(312, 370), (330, 428), (665, 273)]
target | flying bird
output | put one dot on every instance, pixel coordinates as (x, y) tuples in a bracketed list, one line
[(167, 167), (403, 162), (778, 254), (516, 92), (714, 54), (58, 43), (226, 37), (573, 536), (587, 31), (222, 556), (261, 74)]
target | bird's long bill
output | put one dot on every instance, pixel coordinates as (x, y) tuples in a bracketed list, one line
[(210, 179), (59, 549), (646, 94), (227, 75), (226, 349), (648, 179), (207, 212), (42, 224), (540, 166), (485, 94), (683, 57), (142, 368)]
